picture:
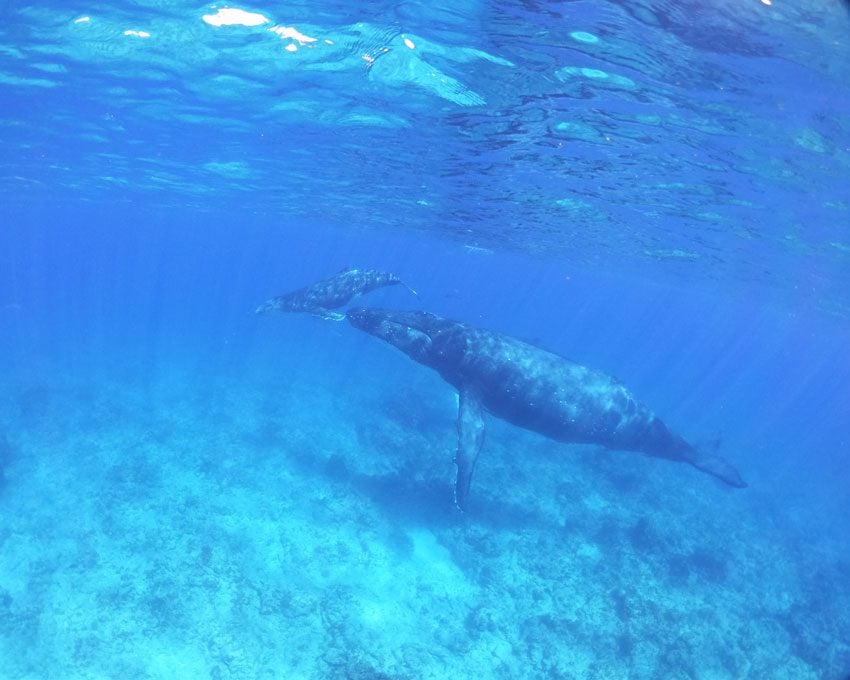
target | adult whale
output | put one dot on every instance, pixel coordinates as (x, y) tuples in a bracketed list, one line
[(323, 296), (531, 388)]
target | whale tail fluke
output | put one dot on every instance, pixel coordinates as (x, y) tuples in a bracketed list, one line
[(720, 468)]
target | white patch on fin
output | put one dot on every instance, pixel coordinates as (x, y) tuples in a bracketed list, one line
[(327, 315)]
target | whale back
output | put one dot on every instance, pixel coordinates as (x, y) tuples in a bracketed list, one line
[(545, 392)]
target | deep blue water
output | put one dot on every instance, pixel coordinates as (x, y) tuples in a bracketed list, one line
[(660, 191)]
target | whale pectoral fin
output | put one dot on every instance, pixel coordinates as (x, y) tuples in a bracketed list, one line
[(328, 315), (470, 439)]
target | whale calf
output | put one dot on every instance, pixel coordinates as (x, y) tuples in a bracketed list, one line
[(531, 388), (328, 294)]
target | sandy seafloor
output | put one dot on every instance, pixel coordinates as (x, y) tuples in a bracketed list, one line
[(291, 517)]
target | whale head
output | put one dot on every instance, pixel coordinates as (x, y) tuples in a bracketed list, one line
[(411, 332)]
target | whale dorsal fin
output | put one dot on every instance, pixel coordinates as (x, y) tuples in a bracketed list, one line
[(470, 440)]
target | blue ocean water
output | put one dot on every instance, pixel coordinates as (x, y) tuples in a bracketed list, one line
[(657, 190)]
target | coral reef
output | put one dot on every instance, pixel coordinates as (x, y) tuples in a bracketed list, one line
[(295, 529)]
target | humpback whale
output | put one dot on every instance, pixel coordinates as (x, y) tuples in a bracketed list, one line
[(323, 296), (532, 388)]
